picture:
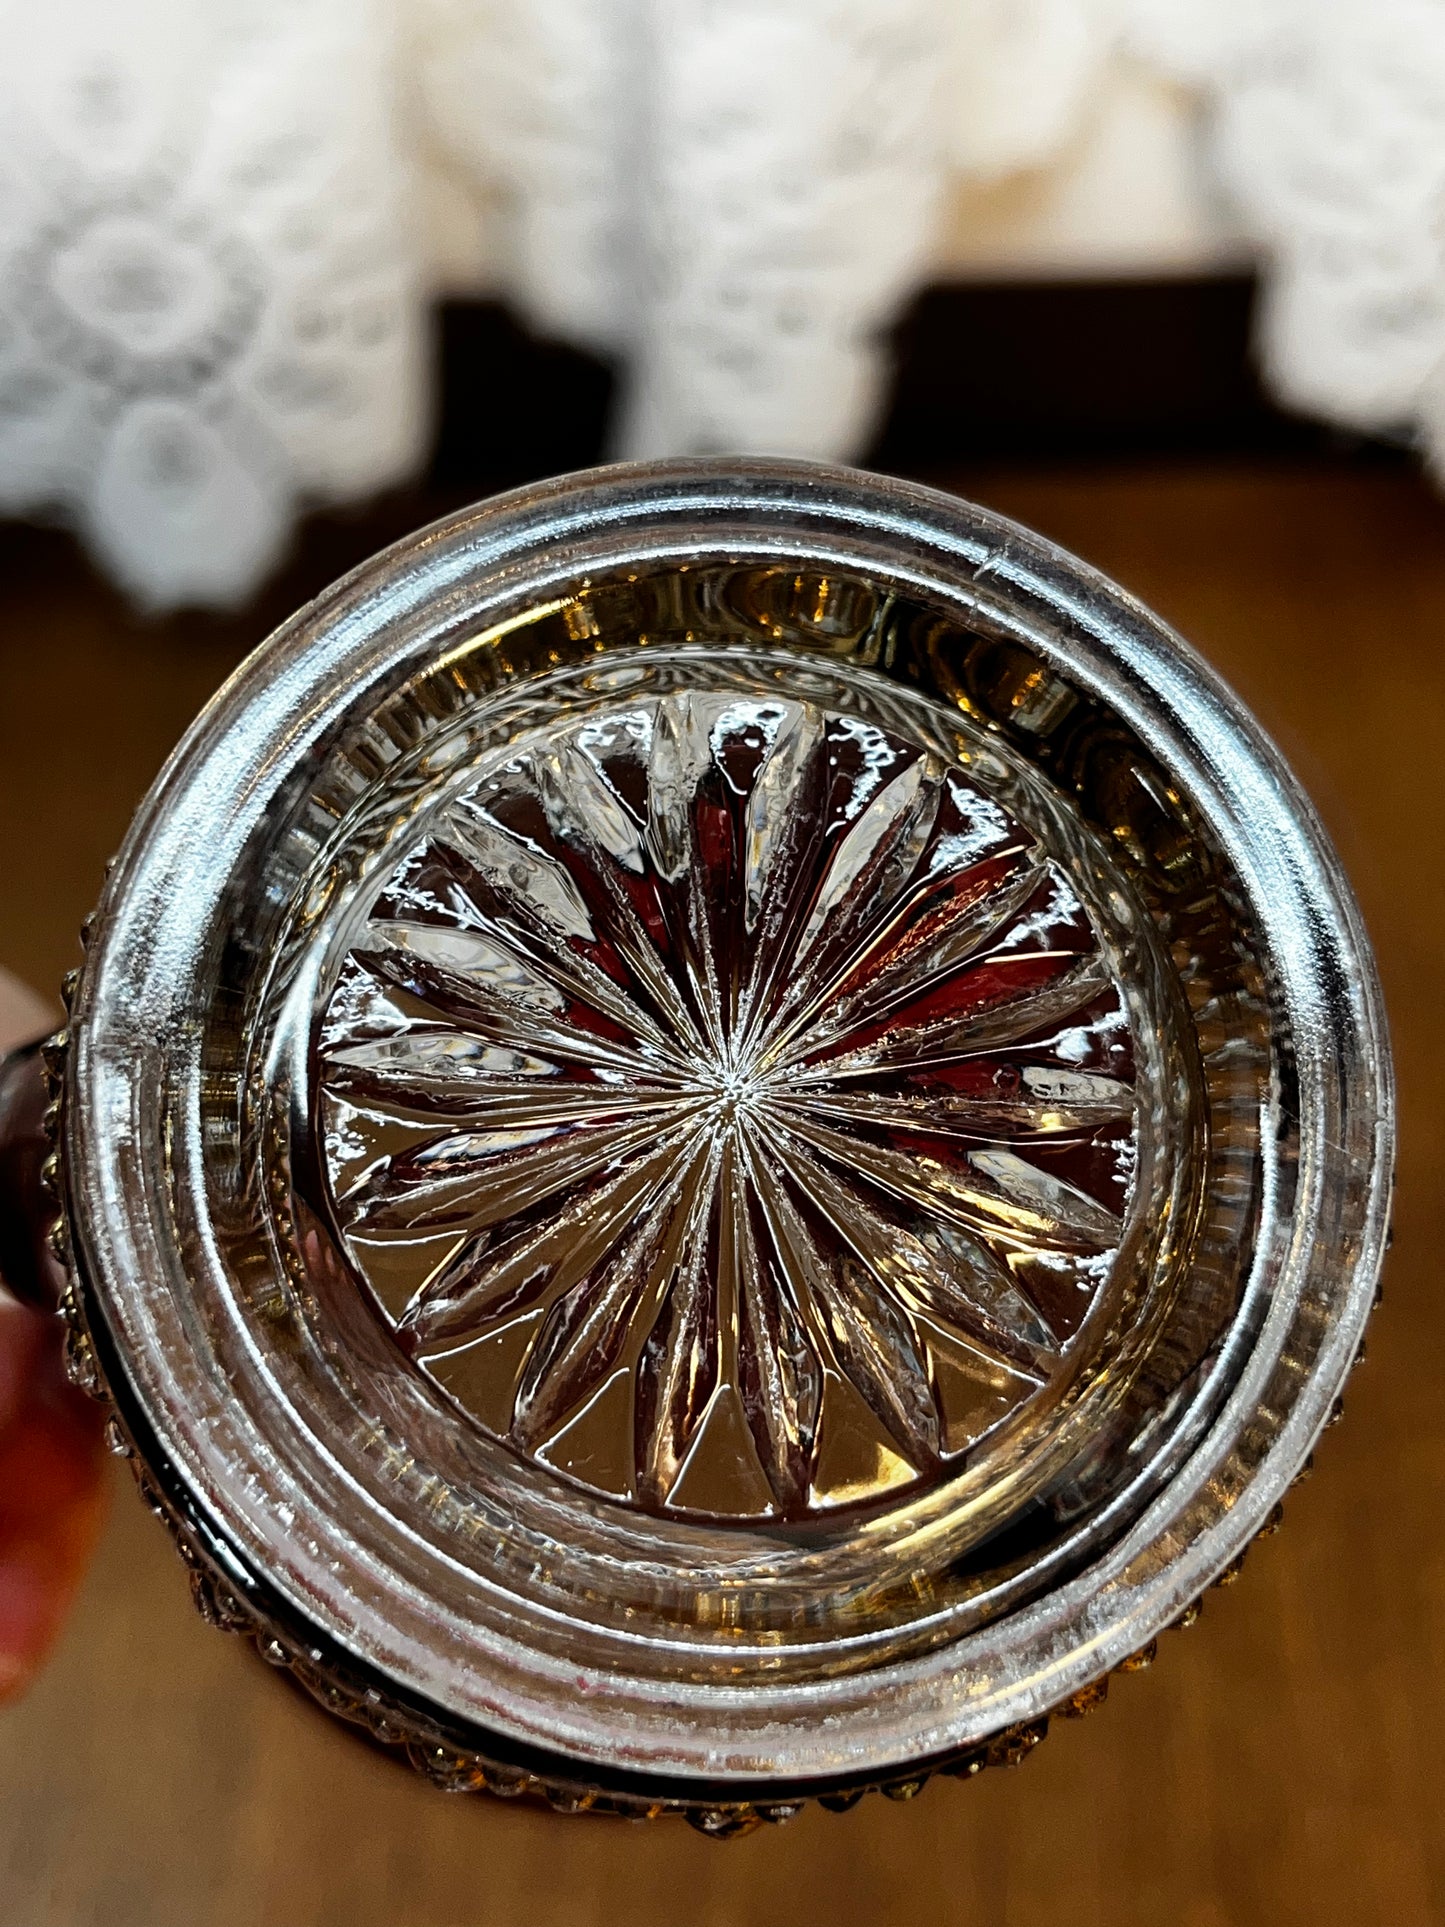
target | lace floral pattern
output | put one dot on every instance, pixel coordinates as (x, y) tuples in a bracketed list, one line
[(213, 278), (1328, 129), (208, 306)]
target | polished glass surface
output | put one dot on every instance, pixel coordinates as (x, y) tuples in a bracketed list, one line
[(729, 1100), (730, 1121)]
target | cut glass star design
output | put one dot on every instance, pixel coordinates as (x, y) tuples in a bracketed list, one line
[(730, 1103)]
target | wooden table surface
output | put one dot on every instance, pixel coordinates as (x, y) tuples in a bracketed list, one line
[(1279, 1764)]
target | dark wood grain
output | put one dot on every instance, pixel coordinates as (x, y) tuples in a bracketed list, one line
[(1279, 1763)]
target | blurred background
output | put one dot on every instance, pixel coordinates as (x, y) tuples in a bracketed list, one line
[(282, 254), (281, 280)]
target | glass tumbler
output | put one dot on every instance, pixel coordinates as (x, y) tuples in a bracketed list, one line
[(725, 1130)]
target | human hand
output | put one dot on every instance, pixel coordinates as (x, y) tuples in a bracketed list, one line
[(51, 1458)]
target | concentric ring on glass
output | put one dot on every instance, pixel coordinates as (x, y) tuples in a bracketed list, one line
[(731, 1120)]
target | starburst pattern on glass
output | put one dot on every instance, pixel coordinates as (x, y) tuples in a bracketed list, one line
[(730, 1103)]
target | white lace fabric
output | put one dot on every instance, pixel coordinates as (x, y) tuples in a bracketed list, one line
[(209, 309), (1328, 125), (214, 283)]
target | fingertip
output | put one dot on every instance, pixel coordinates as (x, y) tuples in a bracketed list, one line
[(33, 1597)]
